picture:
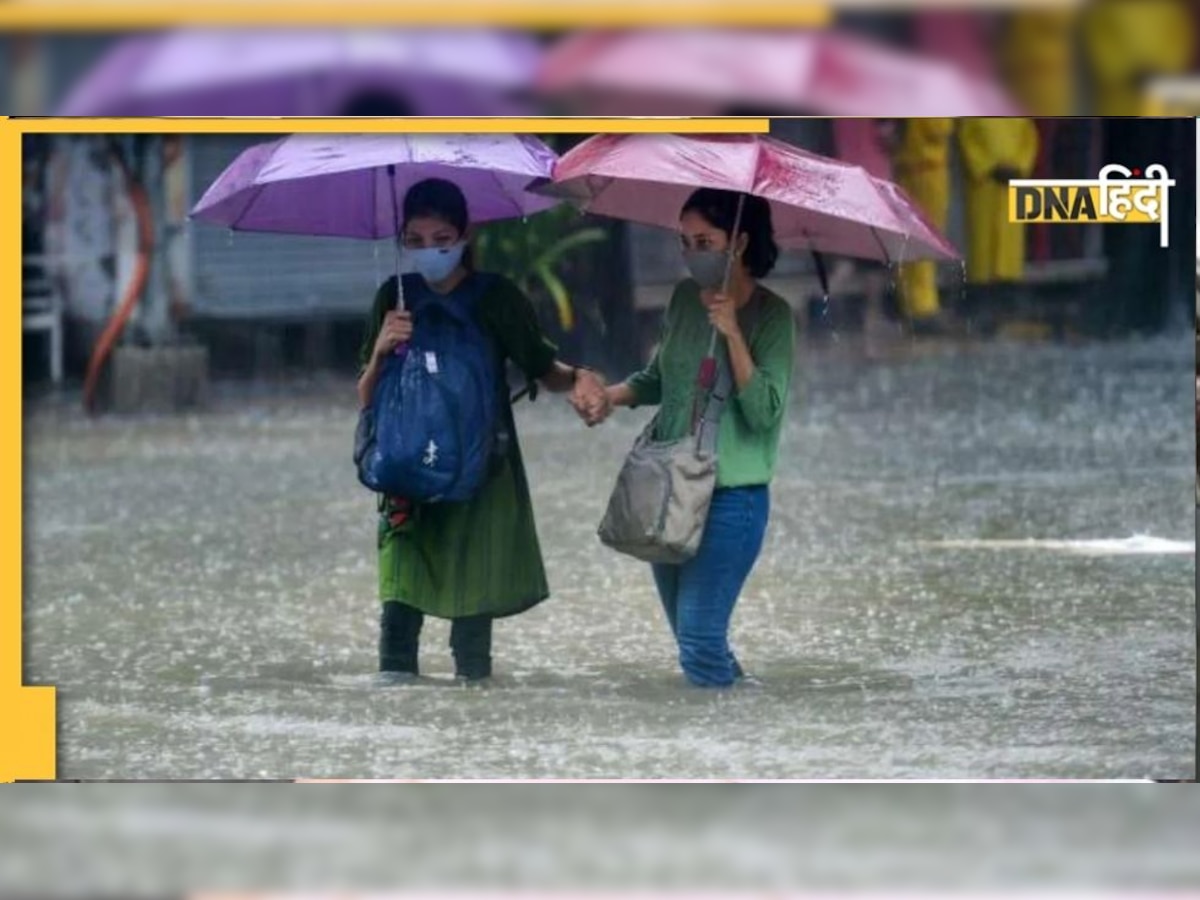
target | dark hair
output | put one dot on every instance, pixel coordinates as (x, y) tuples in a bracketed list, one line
[(719, 209), (438, 199)]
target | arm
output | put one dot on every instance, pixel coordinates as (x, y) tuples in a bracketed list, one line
[(762, 373), (741, 362), (621, 395), (976, 155), (367, 381), (644, 388), (368, 358), (526, 345), (563, 377), (1029, 147)]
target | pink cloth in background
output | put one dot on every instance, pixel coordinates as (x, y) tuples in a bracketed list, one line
[(858, 141), (961, 37)]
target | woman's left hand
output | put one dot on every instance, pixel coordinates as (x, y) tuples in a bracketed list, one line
[(590, 398), (722, 314)]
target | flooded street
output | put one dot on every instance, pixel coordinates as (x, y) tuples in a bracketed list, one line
[(979, 565), (156, 840)]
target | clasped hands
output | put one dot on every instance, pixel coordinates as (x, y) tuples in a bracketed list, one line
[(590, 398)]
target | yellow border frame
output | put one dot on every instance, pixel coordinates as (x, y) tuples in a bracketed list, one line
[(81, 15), (73, 15), (423, 124), (27, 714)]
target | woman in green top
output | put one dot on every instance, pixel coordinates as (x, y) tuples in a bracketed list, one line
[(759, 342), (480, 560)]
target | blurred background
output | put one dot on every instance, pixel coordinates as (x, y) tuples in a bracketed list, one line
[(1041, 61), (154, 840), (194, 630), (97, 206)]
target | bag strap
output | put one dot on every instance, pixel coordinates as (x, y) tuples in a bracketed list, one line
[(709, 426), (461, 305)]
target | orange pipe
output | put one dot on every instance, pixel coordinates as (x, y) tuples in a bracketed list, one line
[(133, 294)]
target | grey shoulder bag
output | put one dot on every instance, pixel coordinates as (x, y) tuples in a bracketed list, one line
[(659, 507)]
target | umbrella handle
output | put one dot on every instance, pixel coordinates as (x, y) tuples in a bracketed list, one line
[(712, 342), (391, 171)]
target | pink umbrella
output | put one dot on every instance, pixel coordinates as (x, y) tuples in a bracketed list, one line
[(817, 203), (916, 222), (805, 71), (231, 72)]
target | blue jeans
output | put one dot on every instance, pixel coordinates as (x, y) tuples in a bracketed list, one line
[(699, 595)]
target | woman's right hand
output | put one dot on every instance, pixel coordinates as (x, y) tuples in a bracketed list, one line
[(397, 329)]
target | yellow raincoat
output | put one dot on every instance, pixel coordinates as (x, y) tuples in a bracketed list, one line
[(922, 168), (1129, 42), (995, 246), (1038, 60)]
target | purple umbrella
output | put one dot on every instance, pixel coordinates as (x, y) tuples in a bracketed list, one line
[(206, 72), (352, 185)]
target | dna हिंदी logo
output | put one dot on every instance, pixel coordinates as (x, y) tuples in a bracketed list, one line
[(1118, 196)]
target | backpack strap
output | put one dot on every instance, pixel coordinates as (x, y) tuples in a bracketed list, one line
[(480, 284)]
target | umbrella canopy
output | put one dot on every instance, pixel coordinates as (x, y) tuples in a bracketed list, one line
[(219, 72), (803, 71), (817, 203), (352, 185), (914, 219)]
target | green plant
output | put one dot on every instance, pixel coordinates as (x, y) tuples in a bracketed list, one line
[(533, 252)]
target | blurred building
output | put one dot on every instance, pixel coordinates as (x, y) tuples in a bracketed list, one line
[(214, 281)]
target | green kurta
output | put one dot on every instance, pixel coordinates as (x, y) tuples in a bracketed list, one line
[(748, 439), (480, 557)]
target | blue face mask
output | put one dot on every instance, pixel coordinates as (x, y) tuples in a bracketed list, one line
[(435, 264)]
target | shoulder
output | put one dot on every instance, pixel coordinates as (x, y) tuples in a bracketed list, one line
[(774, 313), (499, 286), (386, 293), (773, 304), (499, 297)]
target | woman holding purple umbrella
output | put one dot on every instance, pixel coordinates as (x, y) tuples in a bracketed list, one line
[(477, 561), (699, 595)]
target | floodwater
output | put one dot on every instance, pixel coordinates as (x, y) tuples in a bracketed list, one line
[(154, 840), (981, 563)]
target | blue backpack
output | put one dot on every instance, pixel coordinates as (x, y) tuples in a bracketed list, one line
[(434, 426)]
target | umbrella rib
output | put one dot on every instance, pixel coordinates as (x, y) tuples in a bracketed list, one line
[(258, 192), (758, 151), (887, 257), (374, 203)]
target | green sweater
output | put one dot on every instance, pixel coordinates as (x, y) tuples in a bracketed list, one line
[(748, 441)]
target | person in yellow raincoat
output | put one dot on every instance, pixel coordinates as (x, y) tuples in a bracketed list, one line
[(1038, 60), (1128, 43), (994, 151), (922, 166)]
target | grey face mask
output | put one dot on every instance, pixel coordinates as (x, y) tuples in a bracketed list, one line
[(707, 267)]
